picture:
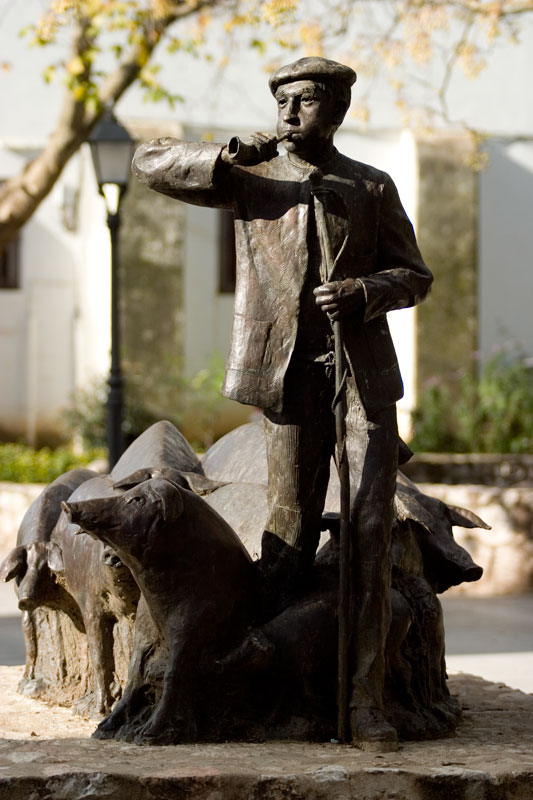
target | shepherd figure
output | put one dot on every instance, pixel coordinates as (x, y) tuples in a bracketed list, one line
[(324, 250)]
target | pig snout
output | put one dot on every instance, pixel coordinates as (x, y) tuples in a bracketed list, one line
[(85, 514), (27, 603), (468, 570), (27, 592), (95, 517), (32, 587)]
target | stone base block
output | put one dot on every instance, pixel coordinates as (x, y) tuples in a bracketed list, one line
[(47, 754)]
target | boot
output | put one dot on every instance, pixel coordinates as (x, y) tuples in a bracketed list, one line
[(371, 731)]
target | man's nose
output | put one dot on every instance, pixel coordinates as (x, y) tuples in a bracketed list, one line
[(291, 109)]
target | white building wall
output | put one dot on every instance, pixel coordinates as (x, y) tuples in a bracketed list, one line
[(36, 329), (208, 312), (200, 287), (54, 329), (505, 276), (12, 373), (394, 153), (67, 315), (93, 295)]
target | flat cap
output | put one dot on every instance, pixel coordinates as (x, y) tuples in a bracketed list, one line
[(312, 68)]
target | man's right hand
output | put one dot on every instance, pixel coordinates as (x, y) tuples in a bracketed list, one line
[(250, 150)]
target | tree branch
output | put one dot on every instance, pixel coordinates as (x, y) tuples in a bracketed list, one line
[(21, 195)]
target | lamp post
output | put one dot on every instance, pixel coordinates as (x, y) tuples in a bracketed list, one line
[(112, 151)]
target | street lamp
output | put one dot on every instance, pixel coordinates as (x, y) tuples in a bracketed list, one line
[(112, 151)]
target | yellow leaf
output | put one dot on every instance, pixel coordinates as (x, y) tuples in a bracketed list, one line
[(275, 12), (311, 37), (160, 8), (62, 6), (361, 113), (142, 56), (76, 66), (79, 92)]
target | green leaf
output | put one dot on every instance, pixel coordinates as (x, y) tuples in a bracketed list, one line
[(259, 45)]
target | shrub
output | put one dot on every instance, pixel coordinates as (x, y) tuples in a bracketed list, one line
[(492, 413), (86, 417), (22, 464), (191, 404)]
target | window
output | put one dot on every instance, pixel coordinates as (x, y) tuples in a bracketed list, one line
[(226, 252), (9, 266)]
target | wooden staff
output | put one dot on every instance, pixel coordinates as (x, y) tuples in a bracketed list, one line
[(339, 410)]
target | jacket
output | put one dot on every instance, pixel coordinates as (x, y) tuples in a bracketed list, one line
[(371, 237)]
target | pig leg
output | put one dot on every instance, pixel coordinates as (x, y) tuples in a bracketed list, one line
[(133, 699), (30, 644), (173, 719), (100, 642), (398, 667)]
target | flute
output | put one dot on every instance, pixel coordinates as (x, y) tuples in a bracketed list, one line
[(241, 152)]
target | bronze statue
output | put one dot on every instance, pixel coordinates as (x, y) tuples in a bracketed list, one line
[(320, 238), (205, 664), (178, 549)]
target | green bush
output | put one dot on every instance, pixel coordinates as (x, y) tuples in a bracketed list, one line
[(492, 413), (22, 464), (86, 417), (191, 404)]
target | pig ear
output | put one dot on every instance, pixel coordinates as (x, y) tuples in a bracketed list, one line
[(55, 557), (465, 518), (139, 476), (13, 564), (172, 502), (200, 484)]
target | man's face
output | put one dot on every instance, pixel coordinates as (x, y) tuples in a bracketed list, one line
[(309, 114)]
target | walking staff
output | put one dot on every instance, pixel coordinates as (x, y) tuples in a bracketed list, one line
[(339, 410)]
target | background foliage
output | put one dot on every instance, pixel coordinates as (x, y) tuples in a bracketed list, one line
[(191, 404), (21, 464), (489, 414)]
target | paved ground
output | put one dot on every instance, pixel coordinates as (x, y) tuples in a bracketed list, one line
[(491, 637), (48, 753), (11, 641)]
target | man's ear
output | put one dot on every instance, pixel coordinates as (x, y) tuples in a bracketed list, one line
[(14, 564), (339, 112), (55, 557)]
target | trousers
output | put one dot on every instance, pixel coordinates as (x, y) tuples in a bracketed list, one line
[(300, 442)]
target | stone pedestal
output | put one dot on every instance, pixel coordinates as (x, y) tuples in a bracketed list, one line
[(46, 754)]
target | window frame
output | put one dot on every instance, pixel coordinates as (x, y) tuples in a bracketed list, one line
[(10, 266)]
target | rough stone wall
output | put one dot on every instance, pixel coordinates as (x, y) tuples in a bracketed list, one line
[(487, 469), (151, 290), (447, 235)]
